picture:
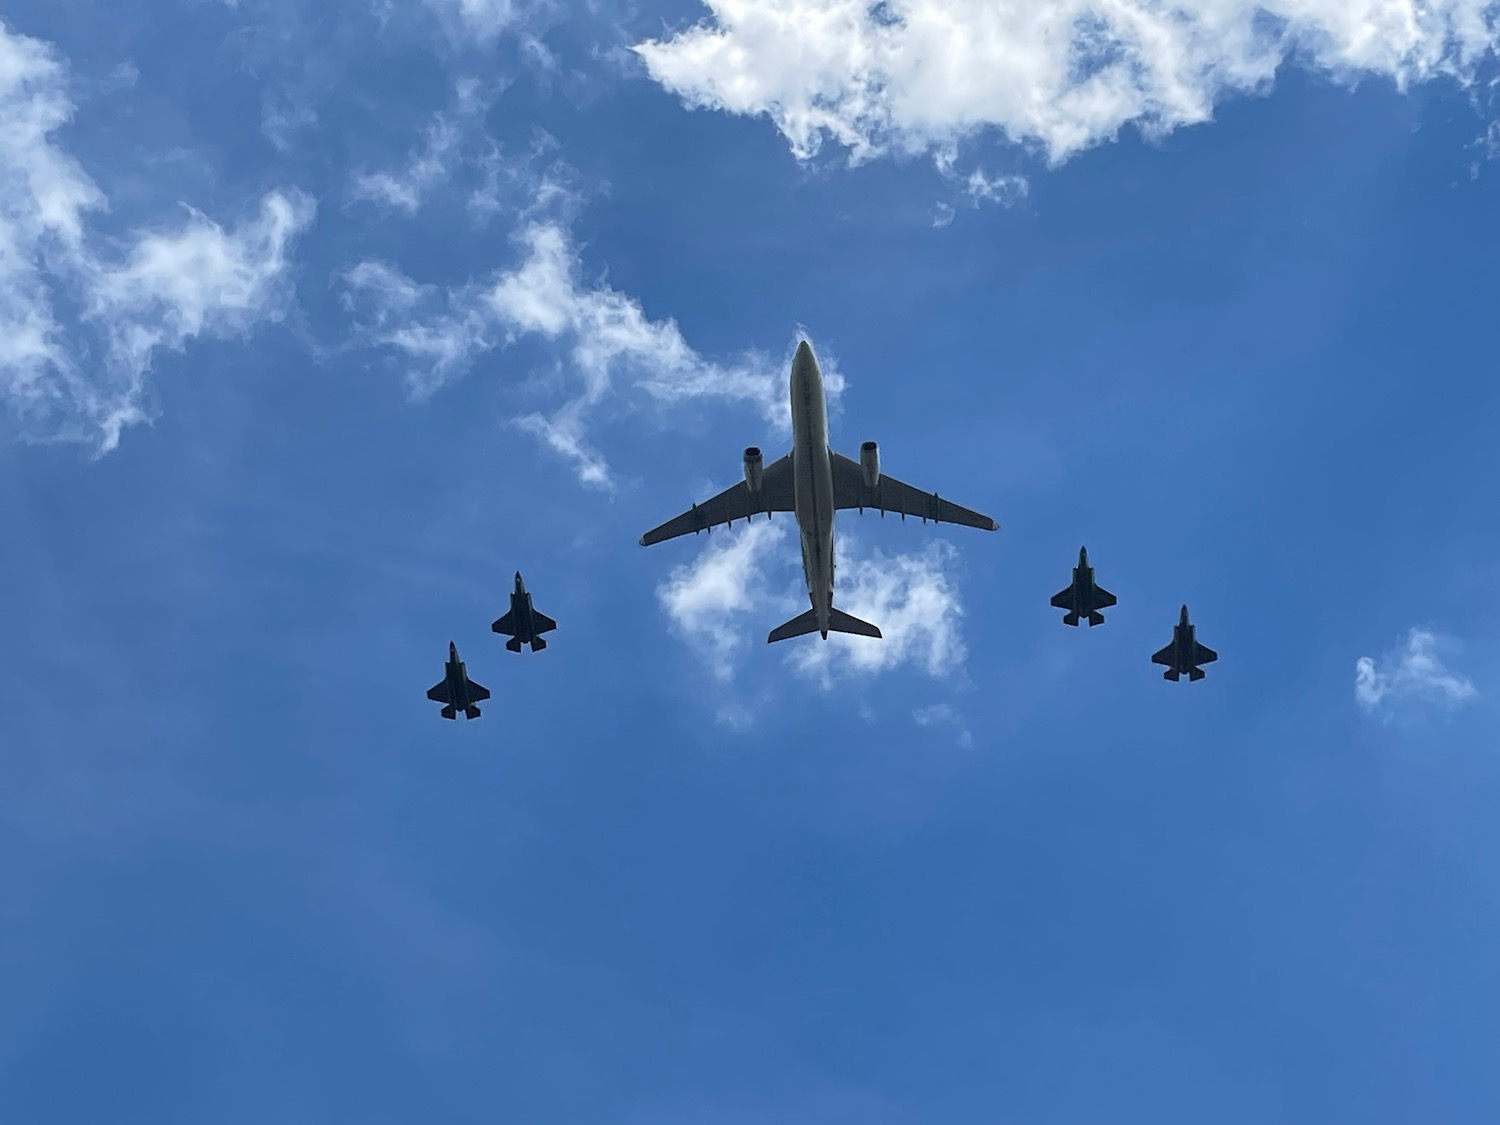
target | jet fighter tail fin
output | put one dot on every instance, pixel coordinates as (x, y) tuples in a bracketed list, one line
[(537, 644), (513, 645), (1096, 618), (449, 712), (1195, 674), (1070, 618), (471, 712)]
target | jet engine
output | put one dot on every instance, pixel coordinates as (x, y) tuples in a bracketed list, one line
[(752, 468), (869, 464)]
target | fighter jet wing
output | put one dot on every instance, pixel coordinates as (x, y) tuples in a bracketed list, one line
[(1166, 655), (892, 495), (542, 623), (1202, 654), (735, 503), (478, 692), (438, 693), (1103, 599), (505, 625), (1063, 599)]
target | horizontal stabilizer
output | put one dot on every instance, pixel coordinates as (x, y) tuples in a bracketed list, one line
[(841, 622), (838, 622), (798, 626), (537, 644)]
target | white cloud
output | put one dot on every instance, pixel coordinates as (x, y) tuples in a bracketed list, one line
[(943, 714), (445, 142), (716, 601), (603, 338), (910, 597), (484, 19), (162, 289), (1059, 75), (1409, 677)]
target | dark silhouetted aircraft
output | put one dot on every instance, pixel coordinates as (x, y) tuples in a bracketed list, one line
[(1184, 654), (523, 624), (457, 692), (814, 482), (1083, 597)]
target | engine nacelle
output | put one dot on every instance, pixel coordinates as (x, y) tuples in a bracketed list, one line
[(869, 464), (753, 468)]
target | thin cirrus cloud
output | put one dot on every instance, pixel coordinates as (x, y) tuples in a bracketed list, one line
[(1410, 680), (1058, 76), (185, 279)]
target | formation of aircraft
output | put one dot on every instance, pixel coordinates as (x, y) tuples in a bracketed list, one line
[(812, 482), (522, 623)]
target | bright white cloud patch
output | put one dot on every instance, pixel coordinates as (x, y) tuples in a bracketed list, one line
[(722, 604), (604, 339), (168, 286), (910, 597), (1411, 677), (714, 601), (1062, 75)]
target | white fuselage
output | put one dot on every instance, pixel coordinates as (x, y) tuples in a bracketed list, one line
[(812, 474)]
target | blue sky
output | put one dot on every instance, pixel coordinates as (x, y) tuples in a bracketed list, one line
[(320, 321)]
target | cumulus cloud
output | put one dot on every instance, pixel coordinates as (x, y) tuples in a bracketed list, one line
[(157, 289), (1410, 677), (604, 340), (911, 76), (723, 603), (713, 602), (913, 600)]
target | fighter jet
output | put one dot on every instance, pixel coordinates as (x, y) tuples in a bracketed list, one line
[(814, 482), (1184, 654), (456, 691), (523, 624), (1083, 596)]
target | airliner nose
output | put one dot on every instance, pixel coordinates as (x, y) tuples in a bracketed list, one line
[(804, 352)]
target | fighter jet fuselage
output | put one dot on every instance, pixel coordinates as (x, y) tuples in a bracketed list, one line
[(1083, 598), (457, 692), (523, 624), (1184, 654)]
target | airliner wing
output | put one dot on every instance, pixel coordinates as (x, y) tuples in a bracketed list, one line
[(892, 495), (734, 503)]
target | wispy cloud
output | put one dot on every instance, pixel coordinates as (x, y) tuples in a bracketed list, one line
[(604, 341), (718, 600), (159, 290), (724, 603), (943, 714), (912, 76), (911, 597), (1410, 678), (453, 137), (484, 19)]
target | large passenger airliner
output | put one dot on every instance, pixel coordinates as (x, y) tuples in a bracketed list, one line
[(814, 482)]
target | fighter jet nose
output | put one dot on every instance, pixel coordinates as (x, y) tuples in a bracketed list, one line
[(518, 578)]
